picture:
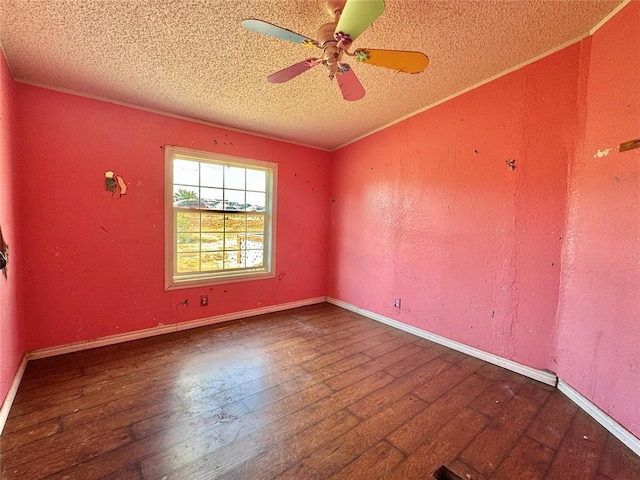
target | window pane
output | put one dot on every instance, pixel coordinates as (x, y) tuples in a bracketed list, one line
[(254, 242), (235, 222), (185, 196), (188, 242), (257, 201), (211, 197), (234, 241), (188, 262), (188, 221), (255, 223), (212, 222), (234, 200), (212, 261), (212, 242), (234, 178), (253, 258), (186, 172), (256, 180), (211, 175), (233, 259)]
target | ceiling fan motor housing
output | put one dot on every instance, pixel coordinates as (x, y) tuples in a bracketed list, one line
[(332, 55), (325, 33)]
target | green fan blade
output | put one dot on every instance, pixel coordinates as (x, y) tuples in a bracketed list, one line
[(357, 15)]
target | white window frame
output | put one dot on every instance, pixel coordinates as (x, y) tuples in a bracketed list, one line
[(173, 281)]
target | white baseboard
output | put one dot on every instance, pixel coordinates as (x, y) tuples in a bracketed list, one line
[(617, 430), (543, 376), (11, 394), (548, 378), (125, 337), (162, 329)]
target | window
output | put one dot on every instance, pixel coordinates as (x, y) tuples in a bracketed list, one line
[(220, 215)]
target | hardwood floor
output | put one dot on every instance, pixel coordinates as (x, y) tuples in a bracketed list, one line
[(312, 393)]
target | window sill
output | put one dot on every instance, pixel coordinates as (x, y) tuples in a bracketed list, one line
[(218, 280)]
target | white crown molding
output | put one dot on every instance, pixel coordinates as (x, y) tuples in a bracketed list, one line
[(4, 54), (612, 14), (466, 90), (593, 30), (166, 114)]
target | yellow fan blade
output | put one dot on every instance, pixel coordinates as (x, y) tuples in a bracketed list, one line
[(406, 62)]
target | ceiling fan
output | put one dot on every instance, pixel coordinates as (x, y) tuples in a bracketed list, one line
[(351, 18)]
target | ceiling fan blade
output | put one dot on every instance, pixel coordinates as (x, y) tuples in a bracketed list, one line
[(267, 28), (288, 73), (402, 61), (350, 86), (357, 15)]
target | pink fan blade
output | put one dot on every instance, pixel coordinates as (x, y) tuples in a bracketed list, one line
[(290, 72), (351, 87)]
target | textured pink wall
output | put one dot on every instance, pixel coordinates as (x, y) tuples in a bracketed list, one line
[(598, 350), (12, 342), (95, 264), (428, 210)]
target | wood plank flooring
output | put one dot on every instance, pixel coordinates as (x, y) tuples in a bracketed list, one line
[(312, 393)]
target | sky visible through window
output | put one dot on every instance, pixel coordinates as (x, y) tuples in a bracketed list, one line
[(218, 187)]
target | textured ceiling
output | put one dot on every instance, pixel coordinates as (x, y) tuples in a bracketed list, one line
[(193, 58)]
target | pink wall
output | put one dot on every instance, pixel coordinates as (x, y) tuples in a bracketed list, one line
[(541, 264), (429, 211), (94, 264), (12, 340), (598, 346)]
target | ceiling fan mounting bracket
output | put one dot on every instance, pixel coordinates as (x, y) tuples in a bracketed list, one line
[(335, 7)]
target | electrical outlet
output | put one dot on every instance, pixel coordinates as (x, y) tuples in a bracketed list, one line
[(204, 300), (396, 302)]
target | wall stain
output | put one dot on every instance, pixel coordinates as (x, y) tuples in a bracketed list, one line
[(602, 153)]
